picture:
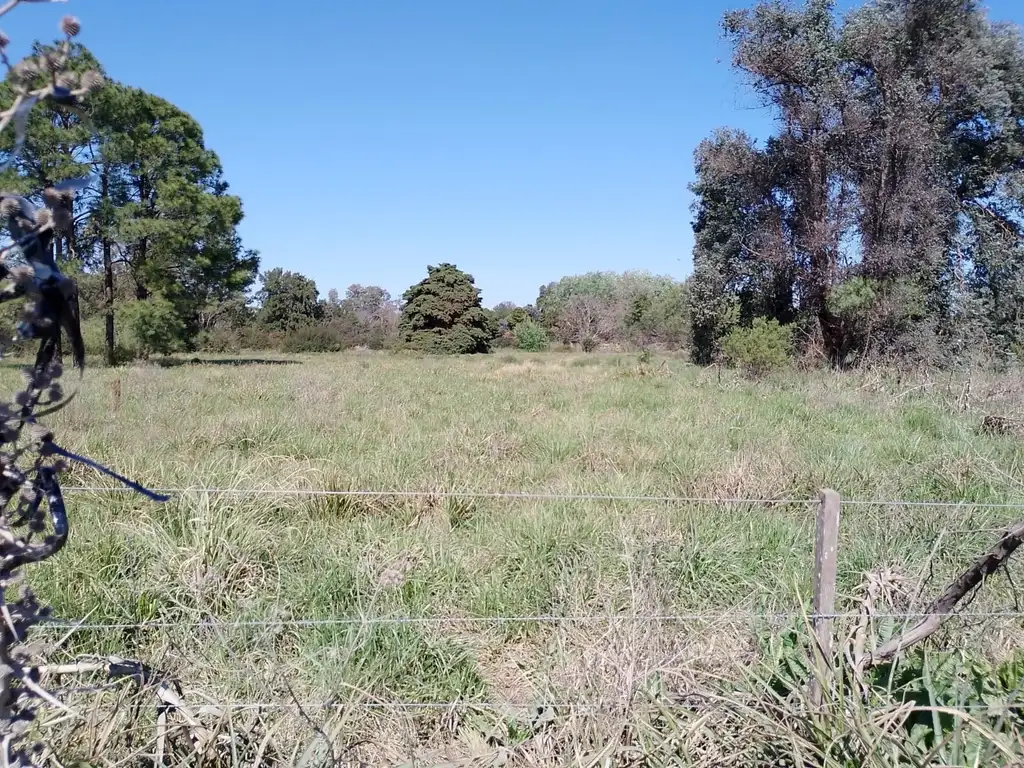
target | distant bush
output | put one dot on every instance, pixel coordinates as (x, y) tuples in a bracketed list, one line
[(588, 344), (763, 347), (154, 326), (94, 332), (257, 339), (530, 336), (220, 341), (505, 340), (316, 338)]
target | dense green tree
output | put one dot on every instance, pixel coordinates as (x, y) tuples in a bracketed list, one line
[(158, 213), (154, 325), (633, 307), (287, 301), (58, 146), (442, 314), (173, 223), (884, 213)]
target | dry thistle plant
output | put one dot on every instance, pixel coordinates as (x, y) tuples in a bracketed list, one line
[(33, 519)]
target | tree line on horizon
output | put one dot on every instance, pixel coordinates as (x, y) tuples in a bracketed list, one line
[(881, 221)]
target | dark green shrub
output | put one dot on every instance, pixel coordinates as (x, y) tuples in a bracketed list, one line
[(257, 339), (442, 314), (505, 340), (316, 338), (763, 347), (94, 336), (588, 344), (221, 341)]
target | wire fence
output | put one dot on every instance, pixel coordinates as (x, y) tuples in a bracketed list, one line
[(683, 702), (678, 701), (343, 621), (545, 496), (451, 620)]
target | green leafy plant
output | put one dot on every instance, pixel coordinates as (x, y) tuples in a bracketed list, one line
[(442, 314), (154, 326), (763, 347), (956, 708), (530, 336), (315, 338)]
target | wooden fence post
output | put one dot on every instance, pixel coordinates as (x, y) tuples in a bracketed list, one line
[(826, 547)]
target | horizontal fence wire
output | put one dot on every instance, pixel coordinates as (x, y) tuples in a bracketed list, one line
[(543, 496), (697, 702), (537, 619)]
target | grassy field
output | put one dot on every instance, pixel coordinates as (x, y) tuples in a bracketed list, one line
[(596, 424)]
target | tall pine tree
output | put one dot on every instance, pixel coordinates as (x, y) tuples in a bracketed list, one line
[(442, 314)]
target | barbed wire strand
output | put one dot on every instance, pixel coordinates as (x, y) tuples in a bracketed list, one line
[(542, 496), (539, 707), (525, 619)]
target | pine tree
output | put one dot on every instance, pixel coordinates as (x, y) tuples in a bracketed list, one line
[(442, 314)]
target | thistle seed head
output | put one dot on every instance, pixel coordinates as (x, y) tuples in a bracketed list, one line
[(70, 26), (90, 80), (50, 62), (39, 433), (21, 275), (58, 198), (68, 80), (62, 219), (10, 207)]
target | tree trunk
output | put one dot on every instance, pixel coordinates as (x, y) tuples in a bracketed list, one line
[(141, 291), (108, 286)]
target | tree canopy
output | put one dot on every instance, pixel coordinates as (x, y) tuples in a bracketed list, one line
[(442, 313), (884, 214), (287, 301), (158, 214)]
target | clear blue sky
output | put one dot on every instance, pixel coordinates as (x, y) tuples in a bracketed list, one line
[(523, 140)]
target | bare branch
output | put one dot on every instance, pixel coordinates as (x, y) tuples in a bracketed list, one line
[(942, 607)]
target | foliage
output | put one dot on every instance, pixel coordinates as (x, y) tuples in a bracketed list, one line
[(960, 708), (153, 325), (895, 165), (762, 347), (157, 217), (314, 338), (635, 307), (442, 314), (94, 333), (530, 336), (287, 301)]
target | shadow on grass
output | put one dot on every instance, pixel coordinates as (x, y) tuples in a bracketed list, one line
[(174, 362)]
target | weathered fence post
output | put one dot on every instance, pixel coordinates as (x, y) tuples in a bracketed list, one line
[(826, 546)]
